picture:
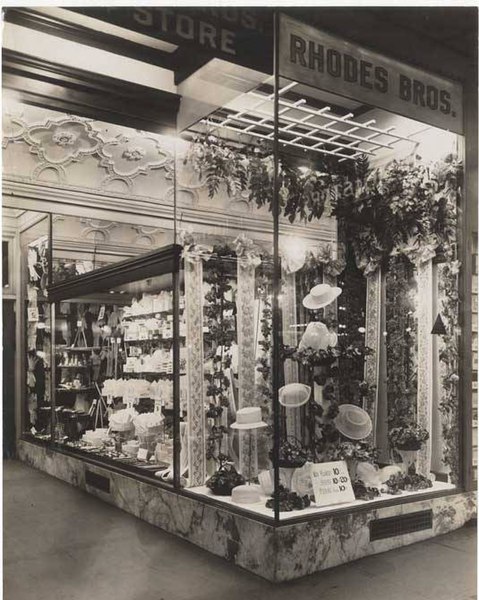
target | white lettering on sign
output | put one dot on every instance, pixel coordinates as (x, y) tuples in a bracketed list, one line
[(210, 36), (311, 56), (331, 483)]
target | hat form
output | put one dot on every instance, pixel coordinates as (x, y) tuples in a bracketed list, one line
[(320, 296), (318, 337), (248, 418), (353, 422), (294, 394)]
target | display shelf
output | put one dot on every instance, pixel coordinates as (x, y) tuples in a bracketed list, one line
[(77, 390), (74, 367), (78, 348), (149, 315), (260, 508)]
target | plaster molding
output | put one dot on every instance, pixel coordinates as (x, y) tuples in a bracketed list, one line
[(130, 156), (62, 141), (28, 195)]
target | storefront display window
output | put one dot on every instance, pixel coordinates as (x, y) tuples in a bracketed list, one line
[(302, 354)]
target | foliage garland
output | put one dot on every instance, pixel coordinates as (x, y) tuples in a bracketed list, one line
[(449, 356), (401, 343), (221, 326)]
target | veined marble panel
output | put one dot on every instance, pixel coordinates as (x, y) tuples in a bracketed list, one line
[(277, 554)]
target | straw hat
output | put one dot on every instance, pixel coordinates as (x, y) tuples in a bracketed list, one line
[(248, 418), (294, 394), (353, 422), (320, 296), (318, 337)]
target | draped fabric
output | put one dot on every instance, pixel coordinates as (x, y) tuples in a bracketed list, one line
[(290, 338), (424, 360), (196, 429), (246, 358), (373, 340)]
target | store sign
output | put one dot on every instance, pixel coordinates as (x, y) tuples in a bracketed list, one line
[(311, 56), (331, 483), (225, 32)]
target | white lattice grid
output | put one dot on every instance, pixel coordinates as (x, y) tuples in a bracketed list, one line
[(305, 127)]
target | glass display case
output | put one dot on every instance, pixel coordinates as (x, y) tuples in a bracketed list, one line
[(296, 351), (118, 357)]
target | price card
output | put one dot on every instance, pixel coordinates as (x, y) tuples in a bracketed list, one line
[(79, 323), (118, 340), (331, 483), (101, 314), (33, 315), (33, 430), (142, 454)]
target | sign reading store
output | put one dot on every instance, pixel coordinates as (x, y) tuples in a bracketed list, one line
[(310, 56)]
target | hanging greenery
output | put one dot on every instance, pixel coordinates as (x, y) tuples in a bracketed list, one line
[(403, 209), (304, 191), (216, 164)]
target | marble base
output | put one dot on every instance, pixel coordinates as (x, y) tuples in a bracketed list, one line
[(275, 553)]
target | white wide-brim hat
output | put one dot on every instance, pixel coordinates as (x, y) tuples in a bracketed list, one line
[(320, 296), (294, 394), (248, 418), (353, 422)]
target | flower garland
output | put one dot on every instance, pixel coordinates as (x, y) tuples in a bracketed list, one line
[(221, 327), (449, 356), (400, 343), (264, 387)]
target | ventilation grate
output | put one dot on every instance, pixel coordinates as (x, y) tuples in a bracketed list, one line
[(97, 481), (392, 526)]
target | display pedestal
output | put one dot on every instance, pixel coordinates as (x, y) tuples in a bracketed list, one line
[(281, 553)]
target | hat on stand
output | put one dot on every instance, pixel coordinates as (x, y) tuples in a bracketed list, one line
[(248, 418), (320, 296), (353, 422), (294, 394)]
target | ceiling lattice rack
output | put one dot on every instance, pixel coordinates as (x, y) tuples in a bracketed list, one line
[(317, 130)]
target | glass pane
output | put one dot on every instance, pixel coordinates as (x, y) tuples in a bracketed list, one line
[(114, 374), (81, 244), (36, 317), (227, 238), (369, 303)]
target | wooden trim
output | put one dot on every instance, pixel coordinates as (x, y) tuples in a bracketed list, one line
[(89, 37), (158, 262), (54, 86)]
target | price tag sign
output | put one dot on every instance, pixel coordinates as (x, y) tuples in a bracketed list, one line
[(79, 323), (142, 454), (33, 315), (118, 340), (331, 483), (101, 314)]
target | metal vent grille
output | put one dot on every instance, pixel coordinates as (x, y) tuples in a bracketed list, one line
[(400, 525), (98, 481)]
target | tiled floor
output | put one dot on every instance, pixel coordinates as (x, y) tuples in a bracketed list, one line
[(62, 544)]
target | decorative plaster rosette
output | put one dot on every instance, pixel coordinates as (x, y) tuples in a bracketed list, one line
[(64, 141), (133, 155)]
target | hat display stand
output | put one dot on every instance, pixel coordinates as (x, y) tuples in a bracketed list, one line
[(248, 420)]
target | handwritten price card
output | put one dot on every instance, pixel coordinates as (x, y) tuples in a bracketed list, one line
[(331, 483)]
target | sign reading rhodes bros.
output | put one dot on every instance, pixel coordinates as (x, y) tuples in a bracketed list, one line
[(310, 56)]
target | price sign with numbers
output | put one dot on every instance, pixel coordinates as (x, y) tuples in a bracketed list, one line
[(331, 483)]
